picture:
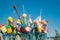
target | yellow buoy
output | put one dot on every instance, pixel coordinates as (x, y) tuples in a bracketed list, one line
[(19, 21), (9, 31), (24, 15), (10, 19)]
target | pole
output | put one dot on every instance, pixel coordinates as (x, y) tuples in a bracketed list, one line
[(16, 11), (40, 14)]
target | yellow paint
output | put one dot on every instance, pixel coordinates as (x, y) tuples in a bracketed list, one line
[(9, 30)]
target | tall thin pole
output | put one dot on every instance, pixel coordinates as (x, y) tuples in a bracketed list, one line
[(40, 14), (23, 9)]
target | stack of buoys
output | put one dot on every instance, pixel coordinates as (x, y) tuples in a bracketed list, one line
[(24, 26), (24, 23), (24, 20), (41, 26), (45, 23), (9, 26), (37, 26)]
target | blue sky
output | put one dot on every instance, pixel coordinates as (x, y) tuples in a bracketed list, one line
[(50, 11)]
